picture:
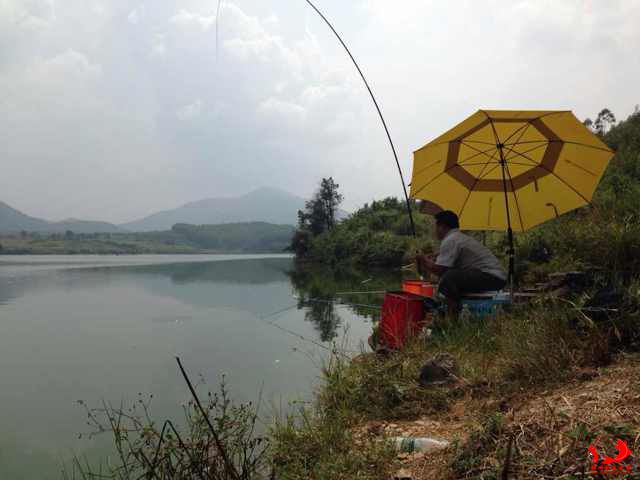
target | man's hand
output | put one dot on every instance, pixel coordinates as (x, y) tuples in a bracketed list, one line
[(427, 262)]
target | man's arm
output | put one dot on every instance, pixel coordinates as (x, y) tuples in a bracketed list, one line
[(446, 259), (428, 264)]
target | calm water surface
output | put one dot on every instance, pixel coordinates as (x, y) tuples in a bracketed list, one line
[(108, 327)]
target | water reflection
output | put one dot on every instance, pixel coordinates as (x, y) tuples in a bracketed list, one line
[(252, 286), (320, 290)]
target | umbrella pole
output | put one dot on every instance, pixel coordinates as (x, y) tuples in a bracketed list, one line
[(509, 229)]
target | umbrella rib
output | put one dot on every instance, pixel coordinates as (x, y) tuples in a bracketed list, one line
[(511, 150), (563, 141), (567, 184), (484, 163), (480, 152), (525, 127), (446, 169), (589, 146), (427, 167), (489, 172), (458, 163), (429, 145), (530, 141), (533, 162), (479, 141), (580, 167), (561, 179), (435, 178), (524, 130), (526, 151), (466, 200)]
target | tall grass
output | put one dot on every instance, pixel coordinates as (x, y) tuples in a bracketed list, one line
[(231, 450), (320, 444)]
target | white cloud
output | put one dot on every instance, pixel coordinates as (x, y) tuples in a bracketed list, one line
[(158, 45), (64, 64), (31, 14), (190, 20), (291, 112), (190, 111), (136, 15)]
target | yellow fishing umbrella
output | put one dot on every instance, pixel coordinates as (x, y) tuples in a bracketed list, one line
[(510, 170)]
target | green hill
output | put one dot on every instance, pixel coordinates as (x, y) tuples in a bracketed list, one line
[(253, 237)]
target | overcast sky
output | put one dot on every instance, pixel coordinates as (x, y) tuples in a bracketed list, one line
[(113, 109)]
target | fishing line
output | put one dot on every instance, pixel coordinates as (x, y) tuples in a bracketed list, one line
[(338, 303), (319, 300), (372, 292), (302, 337), (278, 312), (375, 102)]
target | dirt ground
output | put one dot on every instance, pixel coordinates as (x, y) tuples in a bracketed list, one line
[(550, 429)]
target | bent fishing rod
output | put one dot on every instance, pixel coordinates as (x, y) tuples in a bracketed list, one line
[(375, 102)]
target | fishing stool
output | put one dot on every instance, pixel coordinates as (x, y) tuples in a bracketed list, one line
[(485, 304)]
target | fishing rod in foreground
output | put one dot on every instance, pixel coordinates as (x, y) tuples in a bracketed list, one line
[(375, 102)]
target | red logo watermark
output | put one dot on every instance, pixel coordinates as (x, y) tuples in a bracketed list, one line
[(612, 465)]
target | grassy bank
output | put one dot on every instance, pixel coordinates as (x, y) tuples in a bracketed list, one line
[(503, 362)]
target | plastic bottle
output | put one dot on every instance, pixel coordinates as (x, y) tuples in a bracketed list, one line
[(418, 444)]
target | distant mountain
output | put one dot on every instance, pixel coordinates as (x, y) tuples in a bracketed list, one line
[(86, 226), (13, 221), (268, 205)]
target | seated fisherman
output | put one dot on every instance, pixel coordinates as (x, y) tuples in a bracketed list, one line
[(464, 265)]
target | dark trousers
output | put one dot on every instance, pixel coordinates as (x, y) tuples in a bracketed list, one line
[(454, 284)]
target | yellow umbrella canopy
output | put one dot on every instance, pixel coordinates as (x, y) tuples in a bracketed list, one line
[(510, 169)]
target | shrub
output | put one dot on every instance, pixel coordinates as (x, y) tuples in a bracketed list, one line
[(231, 450)]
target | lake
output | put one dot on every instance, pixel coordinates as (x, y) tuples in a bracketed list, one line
[(96, 328)]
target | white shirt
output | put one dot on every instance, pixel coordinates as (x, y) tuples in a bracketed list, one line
[(463, 252)]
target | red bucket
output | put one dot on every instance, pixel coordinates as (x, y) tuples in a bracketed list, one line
[(402, 317), (418, 287)]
